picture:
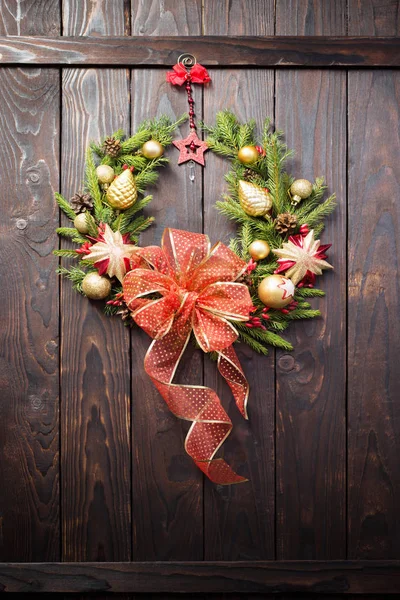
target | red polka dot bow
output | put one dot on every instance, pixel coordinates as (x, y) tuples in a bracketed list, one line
[(190, 287)]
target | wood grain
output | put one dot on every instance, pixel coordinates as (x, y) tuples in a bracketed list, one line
[(95, 371), (238, 17), (308, 17), (373, 307), (167, 488), (374, 332), (30, 17), (281, 52), (29, 441), (239, 521), (374, 17), (274, 577), (168, 17), (310, 424)]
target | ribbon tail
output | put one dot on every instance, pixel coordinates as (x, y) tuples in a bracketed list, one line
[(199, 404), (230, 368)]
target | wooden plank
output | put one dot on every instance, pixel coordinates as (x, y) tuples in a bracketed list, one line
[(374, 17), (373, 305), (30, 17), (277, 51), (172, 18), (167, 488), (240, 520), (95, 371), (311, 395), (308, 577), (29, 320), (308, 18), (373, 308)]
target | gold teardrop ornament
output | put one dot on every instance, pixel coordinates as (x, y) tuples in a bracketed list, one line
[(255, 200), (122, 193)]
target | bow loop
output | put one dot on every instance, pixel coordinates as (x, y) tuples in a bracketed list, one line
[(186, 288)]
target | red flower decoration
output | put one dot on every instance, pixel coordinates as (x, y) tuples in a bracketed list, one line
[(179, 75)]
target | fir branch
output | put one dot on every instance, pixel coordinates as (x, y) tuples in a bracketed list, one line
[(65, 206), (66, 253), (72, 233), (303, 313), (319, 213), (308, 293), (91, 225), (253, 343), (135, 227), (74, 274), (92, 183)]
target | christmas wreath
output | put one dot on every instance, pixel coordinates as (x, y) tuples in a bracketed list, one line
[(279, 219), (106, 223), (185, 288)]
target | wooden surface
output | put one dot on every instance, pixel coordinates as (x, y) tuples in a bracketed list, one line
[(92, 464), (29, 325), (240, 522), (311, 381), (164, 482), (373, 304), (316, 577), (95, 350), (237, 51)]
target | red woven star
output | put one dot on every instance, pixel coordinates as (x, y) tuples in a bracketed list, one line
[(191, 148)]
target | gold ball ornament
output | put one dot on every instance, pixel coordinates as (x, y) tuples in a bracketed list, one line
[(300, 190), (259, 249), (248, 155), (80, 223), (255, 200), (122, 193), (95, 286), (276, 291), (152, 149), (105, 174)]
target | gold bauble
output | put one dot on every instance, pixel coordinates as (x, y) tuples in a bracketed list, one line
[(152, 149), (105, 174), (259, 249), (248, 155), (122, 193), (255, 200), (80, 223), (300, 190), (95, 286), (276, 291)]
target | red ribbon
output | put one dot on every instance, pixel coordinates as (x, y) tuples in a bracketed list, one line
[(179, 75), (193, 287)]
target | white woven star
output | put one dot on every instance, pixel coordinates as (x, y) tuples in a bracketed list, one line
[(109, 255), (302, 255)]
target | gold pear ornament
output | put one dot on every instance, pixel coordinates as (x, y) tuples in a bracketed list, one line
[(255, 200), (122, 193)]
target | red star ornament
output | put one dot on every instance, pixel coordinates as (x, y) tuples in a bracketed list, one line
[(186, 151)]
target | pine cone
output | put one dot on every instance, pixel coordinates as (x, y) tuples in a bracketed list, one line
[(285, 223), (112, 147), (81, 203), (252, 177), (249, 174)]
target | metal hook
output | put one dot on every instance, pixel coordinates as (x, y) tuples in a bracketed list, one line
[(187, 60)]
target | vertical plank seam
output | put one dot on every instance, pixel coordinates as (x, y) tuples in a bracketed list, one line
[(273, 352), (59, 288), (346, 325), (128, 32), (275, 521), (203, 374), (59, 322)]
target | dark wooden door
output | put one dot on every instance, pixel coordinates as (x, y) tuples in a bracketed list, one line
[(98, 474)]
